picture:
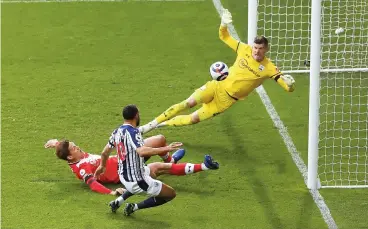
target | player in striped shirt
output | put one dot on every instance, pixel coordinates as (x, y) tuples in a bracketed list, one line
[(131, 150), (84, 164)]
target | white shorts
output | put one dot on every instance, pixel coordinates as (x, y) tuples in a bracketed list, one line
[(148, 185)]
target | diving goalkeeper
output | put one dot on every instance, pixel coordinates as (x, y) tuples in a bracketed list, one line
[(250, 69)]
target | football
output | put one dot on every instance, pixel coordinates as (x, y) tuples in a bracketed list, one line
[(219, 71)]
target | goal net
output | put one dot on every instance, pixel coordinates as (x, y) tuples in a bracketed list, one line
[(343, 110)]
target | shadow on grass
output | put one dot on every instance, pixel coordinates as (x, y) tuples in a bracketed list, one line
[(136, 220), (259, 188), (306, 212)]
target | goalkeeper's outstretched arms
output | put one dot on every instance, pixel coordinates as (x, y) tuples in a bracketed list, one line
[(285, 81), (226, 19)]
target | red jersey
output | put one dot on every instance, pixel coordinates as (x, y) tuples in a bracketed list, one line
[(85, 168)]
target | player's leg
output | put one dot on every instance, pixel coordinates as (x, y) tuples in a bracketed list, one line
[(115, 204), (165, 195), (160, 141), (181, 169), (131, 189), (221, 102), (208, 110), (203, 94)]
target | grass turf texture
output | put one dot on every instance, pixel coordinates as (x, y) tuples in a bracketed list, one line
[(67, 70)]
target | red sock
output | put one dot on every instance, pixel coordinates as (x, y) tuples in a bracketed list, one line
[(185, 168), (166, 157)]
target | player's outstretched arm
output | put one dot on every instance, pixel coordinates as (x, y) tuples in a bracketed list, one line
[(285, 81), (95, 186), (226, 19), (104, 156), (145, 151)]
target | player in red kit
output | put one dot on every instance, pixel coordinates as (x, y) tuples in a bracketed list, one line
[(84, 164)]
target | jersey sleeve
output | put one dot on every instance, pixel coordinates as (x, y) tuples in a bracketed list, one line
[(85, 173), (276, 74), (229, 40), (97, 187), (111, 142)]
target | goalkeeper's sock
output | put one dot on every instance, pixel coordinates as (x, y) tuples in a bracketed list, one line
[(172, 111), (181, 120), (148, 127)]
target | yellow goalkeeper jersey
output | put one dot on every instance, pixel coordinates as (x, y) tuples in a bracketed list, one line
[(246, 74)]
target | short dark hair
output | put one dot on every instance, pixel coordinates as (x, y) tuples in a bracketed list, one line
[(62, 150), (129, 112), (261, 40)]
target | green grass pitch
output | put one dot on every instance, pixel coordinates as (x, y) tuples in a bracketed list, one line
[(69, 68)]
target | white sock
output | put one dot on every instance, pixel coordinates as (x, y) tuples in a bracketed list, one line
[(161, 124), (204, 167), (148, 127), (135, 207), (120, 200), (153, 123), (189, 168)]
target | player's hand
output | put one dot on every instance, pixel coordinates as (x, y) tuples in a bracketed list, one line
[(51, 143), (226, 17), (174, 146), (289, 80), (100, 170), (117, 192)]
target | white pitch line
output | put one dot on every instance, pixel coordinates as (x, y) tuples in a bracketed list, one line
[(318, 199)]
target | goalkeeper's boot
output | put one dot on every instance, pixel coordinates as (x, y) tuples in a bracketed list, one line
[(128, 210), (114, 205), (178, 155), (210, 163)]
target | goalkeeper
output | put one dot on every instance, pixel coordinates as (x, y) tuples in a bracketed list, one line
[(250, 69)]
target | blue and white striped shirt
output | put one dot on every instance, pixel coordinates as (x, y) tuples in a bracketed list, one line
[(126, 139)]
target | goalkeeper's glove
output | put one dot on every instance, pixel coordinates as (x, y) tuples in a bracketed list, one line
[(226, 17), (289, 80)]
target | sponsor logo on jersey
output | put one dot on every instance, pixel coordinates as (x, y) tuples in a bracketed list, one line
[(261, 67), (243, 63)]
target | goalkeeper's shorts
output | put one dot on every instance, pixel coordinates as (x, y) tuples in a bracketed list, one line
[(214, 99)]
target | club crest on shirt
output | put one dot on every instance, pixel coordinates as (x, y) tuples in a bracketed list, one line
[(261, 67), (243, 63)]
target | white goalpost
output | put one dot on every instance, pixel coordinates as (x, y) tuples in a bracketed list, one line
[(328, 40)]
